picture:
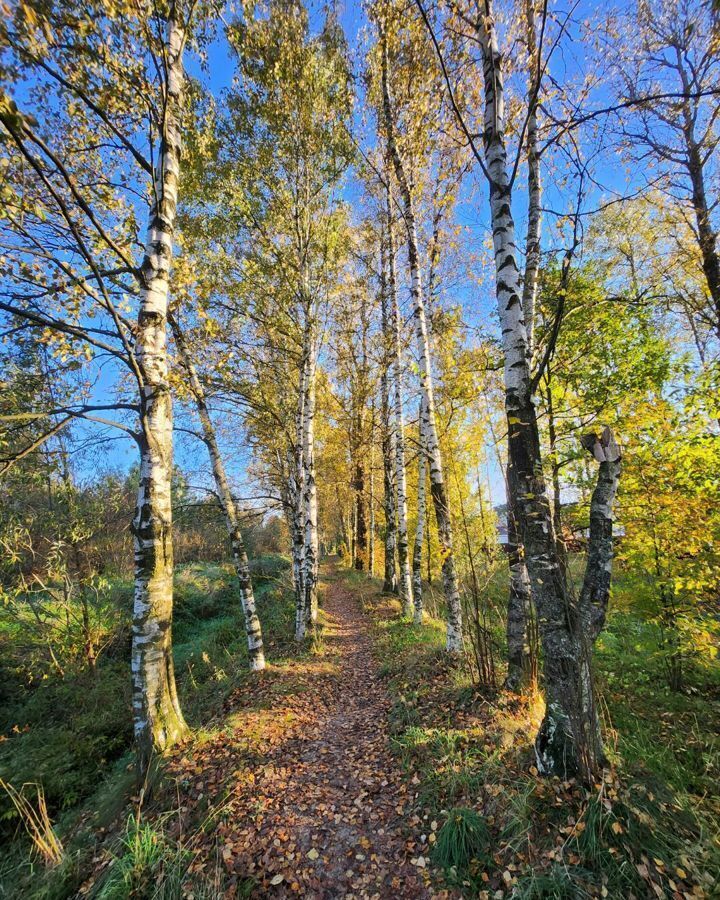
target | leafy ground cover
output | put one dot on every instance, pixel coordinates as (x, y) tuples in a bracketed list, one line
[(648, 829), (73, 735), (365, 764)]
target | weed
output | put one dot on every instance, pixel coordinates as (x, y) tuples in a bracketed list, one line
[(560, 883), (36, 822), (464, 837), (148, 866)]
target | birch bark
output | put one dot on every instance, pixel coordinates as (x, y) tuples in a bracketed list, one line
[(520, 648), (297, 493), (158, 720), (561, 746), (532, 237), (428, 424), (390, 585), (405, 585), (419, 529), (519, 600), (371, 499), (309, 487), (253, 631), (595, 591)]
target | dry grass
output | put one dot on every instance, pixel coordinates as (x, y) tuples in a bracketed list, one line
[(35, 819)]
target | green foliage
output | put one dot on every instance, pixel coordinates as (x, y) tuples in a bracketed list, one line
[(66, 732), (464, 838), (269, 567), (661, 807), (148, 867), (560, 883)]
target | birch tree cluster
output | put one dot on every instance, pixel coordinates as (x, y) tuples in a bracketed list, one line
[(423, 296)]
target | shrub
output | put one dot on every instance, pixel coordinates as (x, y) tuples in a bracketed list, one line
[(268, 567)]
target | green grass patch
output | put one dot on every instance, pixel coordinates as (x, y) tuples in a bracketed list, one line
[(649, 831), (74, 734), (464, 839)]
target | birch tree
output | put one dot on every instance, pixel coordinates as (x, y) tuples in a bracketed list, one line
[(288, 147), (420, 524), (428, 423), (569, 737), (666, 51), (88, 267), (256, 656), (390, 583), (405, 585)]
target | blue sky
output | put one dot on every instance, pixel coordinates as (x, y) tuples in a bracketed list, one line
[(473, 289)]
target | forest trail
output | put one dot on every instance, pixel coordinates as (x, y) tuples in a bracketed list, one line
[(326, 812)]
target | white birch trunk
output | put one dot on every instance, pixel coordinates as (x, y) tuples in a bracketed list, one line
[(158, 720), (428, 424), (388, 443), (297, 493), (419, 530), (256, 656), (309, 487), (532, 239), (561, 746), (371, 500), (520, 648), (401, 507)]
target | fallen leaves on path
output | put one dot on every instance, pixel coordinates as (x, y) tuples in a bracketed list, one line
[(303, 794)]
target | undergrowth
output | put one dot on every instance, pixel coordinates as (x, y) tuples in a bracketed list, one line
[(74, 735), (648, 829)]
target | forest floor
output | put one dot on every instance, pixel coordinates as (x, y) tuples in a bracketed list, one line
[(325, 810), (363, 763)]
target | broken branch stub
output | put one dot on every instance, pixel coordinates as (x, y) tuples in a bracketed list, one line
[(602, 446)]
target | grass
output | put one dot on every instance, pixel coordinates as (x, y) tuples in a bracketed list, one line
[(463, 839), (649, 829), (148, 865), (73, 735)]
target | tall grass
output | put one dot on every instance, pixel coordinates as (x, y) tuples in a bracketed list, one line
[(36, 821)]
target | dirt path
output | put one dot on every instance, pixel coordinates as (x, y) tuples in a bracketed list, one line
[(325, 813)]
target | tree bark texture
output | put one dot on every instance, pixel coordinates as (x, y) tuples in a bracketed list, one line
[(405, 584), (562, 745), (519, 613), (309, 486), (297, 494), (390, 584), (158, 720), (419, 530), (532, 237)]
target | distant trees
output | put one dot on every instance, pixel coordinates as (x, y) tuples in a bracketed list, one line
[(256, 655), (287, 148), (399, 171)]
